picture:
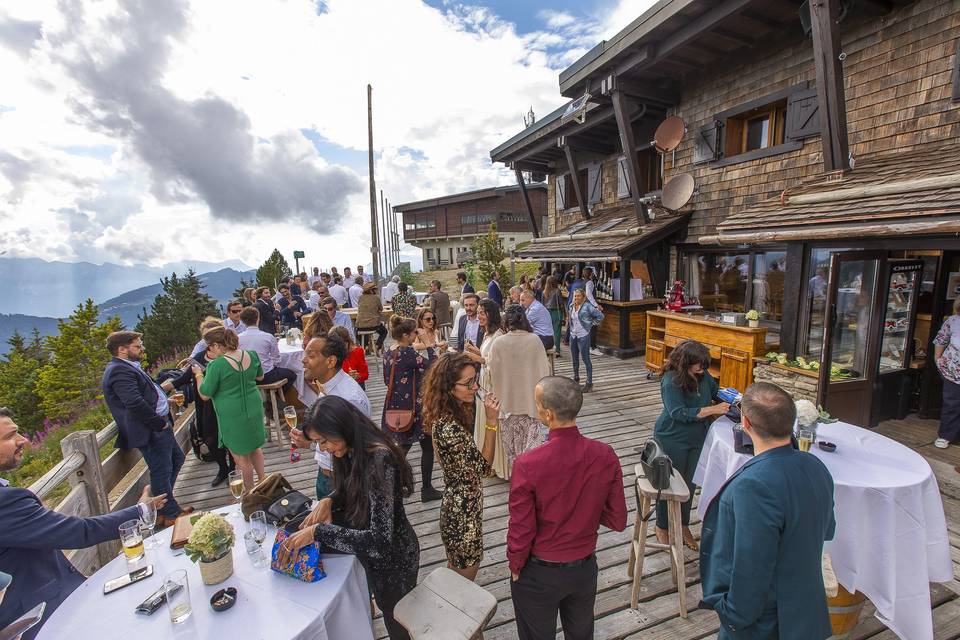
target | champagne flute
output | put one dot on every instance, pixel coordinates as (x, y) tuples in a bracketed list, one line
[(148, 520), (290, 415), (235, 482), (258, 526), (177, 396)]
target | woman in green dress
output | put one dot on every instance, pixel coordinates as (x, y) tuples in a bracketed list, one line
[(230, 381), (687, 390)]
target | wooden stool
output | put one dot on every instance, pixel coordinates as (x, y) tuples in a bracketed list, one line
[(444, 330), (646, 496), (445, 606), (367, 338), (274, 393)]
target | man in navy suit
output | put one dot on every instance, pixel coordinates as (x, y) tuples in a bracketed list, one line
[(760, 555), (32, 536), (142, 413), (493, 289)]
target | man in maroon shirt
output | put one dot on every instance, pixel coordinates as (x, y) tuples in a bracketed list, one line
[(560, 493)]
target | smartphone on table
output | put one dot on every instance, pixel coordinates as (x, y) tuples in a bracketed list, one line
[(124, 581)]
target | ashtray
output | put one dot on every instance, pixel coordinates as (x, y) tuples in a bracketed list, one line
[(224, 599), (827, 446)]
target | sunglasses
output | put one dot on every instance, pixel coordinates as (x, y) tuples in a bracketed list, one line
[(428, 319)]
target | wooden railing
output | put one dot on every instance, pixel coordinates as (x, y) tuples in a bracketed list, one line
[(99, 487)]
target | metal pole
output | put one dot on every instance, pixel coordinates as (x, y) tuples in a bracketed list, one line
[(373, 189), (395, 239)]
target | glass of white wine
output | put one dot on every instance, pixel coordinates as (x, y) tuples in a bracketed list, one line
[(258, 527), (235, 482), (132, 540)]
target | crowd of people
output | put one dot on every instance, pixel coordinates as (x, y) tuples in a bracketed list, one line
[(475, 391)]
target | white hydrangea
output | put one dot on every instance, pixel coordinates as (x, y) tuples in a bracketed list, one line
[(807, 413)]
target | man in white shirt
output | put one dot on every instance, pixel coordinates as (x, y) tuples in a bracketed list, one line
[(233, 320), (389, 290), (468, 326), (338, 317), (366, 276), (347, 276), (355, 291), (539, 318), (338, 292), (267, 350), (323, 370)]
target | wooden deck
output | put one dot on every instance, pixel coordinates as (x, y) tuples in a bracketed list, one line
[(621, 411)]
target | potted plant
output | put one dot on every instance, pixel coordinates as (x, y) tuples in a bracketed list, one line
[(209, 544), (753, 318)]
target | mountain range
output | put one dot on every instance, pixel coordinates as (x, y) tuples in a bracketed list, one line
[(38, 292)]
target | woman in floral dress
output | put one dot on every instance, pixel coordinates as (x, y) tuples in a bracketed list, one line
[(448, 398), (406, 368), (946, 351)]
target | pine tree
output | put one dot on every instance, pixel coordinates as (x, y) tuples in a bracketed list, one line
[(487, 255), (272, 270), (70, 380), (19, 372), (171, 324), (244, 285)]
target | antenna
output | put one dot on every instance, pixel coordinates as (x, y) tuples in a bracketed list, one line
[(530, 118)]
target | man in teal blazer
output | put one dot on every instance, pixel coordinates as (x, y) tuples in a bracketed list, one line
[(763, 534)]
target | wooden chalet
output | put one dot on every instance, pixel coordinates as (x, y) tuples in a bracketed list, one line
[(823, 141)]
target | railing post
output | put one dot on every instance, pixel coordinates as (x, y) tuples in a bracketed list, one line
[(91, 477)]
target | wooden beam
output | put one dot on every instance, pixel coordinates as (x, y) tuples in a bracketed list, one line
[(575, 176), (530, 166), (591, 145), (736, 38), (629, 146), (824, 15), (770, 23), (526, 201), (646, 93)]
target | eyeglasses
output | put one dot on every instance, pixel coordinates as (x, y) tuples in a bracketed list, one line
[(474, 381)]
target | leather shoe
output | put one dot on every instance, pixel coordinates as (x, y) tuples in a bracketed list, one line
[(220, 479), (429, 494)]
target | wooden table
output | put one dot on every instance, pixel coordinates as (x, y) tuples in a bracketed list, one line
[(623, 330)]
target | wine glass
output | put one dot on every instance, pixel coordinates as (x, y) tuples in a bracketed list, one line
[(258, 526), (148, 520), (235, 482), (177, 396)]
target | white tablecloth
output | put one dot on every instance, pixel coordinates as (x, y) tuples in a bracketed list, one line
[(291, 357), (891, 540), (270, 605)]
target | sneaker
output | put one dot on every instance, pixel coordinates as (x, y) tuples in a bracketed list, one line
[(596, 352), (941, 443)]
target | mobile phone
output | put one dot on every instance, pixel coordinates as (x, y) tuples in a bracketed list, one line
[(130, 578), (24, 623)]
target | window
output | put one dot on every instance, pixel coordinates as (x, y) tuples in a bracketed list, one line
[(409, 226), (817, 276), (648, 167), (429, 255), (759, 128), (768, 281), (513, 217), (481, 218), (426, 224), (732, 281), (566, 195)]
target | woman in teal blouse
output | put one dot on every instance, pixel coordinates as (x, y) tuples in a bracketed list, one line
[(687, 392)]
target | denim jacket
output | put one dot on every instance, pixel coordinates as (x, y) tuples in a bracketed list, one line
[(588, 317)]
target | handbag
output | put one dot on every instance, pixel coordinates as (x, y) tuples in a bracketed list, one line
[(657, 466), (287, 508), (400, 420), (308, 565), (264, 494)]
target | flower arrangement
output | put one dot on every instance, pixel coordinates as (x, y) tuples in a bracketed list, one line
[(807, 414), (753, 314), (211, 538)]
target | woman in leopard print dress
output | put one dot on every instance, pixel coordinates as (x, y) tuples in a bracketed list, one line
[(450, 390)]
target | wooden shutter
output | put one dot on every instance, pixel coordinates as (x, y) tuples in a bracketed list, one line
[(706, 145), (623, 186), (594, 184), (561, 192), (956, 74), (803, 119)]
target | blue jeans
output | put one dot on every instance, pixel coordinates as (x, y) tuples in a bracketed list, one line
[(581, 346), (164, 457)]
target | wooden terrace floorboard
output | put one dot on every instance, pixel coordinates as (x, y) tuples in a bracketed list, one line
[(620, 411)]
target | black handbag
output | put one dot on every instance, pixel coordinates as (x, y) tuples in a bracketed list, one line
[(656, 465), (287, 508)]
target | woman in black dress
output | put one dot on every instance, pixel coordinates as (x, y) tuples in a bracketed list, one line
[(364, 515)]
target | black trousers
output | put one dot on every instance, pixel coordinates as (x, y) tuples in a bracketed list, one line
[(426, 459), (547, 342), (593, 337), (543, 591), (277, 374), (950, 412), (381, 333)]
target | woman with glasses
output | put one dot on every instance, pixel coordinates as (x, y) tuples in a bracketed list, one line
[(488, 315), (449, 394), (428, 343), (403, 372), (687, 390)]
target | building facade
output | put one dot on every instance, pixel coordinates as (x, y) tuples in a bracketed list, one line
[(443, 228), (848, 249)]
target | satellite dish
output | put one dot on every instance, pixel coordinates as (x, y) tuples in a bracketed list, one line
[(677, 192), (669, 134)]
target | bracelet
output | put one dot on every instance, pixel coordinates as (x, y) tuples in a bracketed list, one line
[(491, 427)]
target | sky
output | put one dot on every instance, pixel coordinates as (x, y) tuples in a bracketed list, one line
[(144, 132)]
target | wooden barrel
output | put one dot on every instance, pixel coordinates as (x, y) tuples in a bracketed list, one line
[(845, 609)]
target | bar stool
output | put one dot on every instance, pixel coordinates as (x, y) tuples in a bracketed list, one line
[(274, 393), (367, 338), (646, 496), (445, 605), (445, 330)]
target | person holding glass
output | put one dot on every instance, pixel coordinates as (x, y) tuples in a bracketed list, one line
[(230, 381), (449, 394), (687, 391), (489, 316), (428, 344), (364, 515), (946, 351)]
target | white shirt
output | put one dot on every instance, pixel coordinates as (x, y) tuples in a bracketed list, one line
[(576, 327), (355, 292), (590, 286), (312, 279), (338, 293), (238, 326), (389, 290), (366, 277), (264, 344), (343, 386), (313, 300), (471, 330), (277, 297)]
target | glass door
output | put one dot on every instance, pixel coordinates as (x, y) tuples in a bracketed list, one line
[(895, 380), (847, 369)]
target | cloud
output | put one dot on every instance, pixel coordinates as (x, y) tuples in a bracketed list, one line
[(556, 19), (19, 35)]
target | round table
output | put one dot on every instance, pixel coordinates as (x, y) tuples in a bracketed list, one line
[(891, 538), (291, 357), (270, 605)]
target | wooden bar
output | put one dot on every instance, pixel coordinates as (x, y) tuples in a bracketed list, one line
[(623, 330)]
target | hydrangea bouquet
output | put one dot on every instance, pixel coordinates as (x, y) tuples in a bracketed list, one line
[(211, 538)]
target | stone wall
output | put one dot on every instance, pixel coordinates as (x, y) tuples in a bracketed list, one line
[(798, 385)]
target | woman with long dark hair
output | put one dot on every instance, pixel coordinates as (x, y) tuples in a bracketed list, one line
[(448, 396), (687, 390), (364, 515), (490, 321)]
